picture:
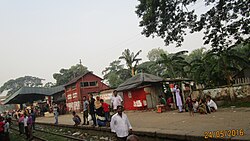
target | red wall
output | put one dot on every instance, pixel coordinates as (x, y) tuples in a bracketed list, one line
[(138, 94), (86, 90)]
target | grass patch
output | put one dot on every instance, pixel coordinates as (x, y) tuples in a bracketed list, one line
[(237, 104)]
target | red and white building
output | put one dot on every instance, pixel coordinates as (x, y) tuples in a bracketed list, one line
[(82, 86)]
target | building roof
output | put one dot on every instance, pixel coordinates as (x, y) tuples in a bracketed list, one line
[(74, 80), (30, 94), (138, 80)]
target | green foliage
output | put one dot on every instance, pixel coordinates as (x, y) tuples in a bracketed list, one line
[(114, 80), (174, 64), (131, 59), (155, 54), (151, 67), (115, 74), (196, 54), (226, 22), (65, 75), (15, 84), (220, 66), (215, 67)]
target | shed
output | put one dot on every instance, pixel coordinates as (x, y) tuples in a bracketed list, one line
[(141, 91), (30, 94)]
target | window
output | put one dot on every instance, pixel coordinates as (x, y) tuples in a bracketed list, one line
[(89, 84), (93, 83)]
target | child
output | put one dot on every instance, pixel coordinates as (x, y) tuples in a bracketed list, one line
[(195, 105), (189, 104), (76, 119)]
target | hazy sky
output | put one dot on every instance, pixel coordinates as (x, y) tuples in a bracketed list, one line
[(38, 38)]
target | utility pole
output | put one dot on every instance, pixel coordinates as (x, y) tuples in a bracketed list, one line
[(80, 61)]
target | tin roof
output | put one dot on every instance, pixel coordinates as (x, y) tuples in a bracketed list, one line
[(138, 80), (30, 94)]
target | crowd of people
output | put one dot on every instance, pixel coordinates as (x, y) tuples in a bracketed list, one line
[(203, 105), (96, 110), (4, 128), (99, 112), (26, 121)]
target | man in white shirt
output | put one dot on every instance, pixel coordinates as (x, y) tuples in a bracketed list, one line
[(116, 100), (211, 104), (120, 124)]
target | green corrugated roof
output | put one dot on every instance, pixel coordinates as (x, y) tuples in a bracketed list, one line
[(30, 94), (138, 80)]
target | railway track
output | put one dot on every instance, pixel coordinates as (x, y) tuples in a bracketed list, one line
[(35, 138), (51, 133)]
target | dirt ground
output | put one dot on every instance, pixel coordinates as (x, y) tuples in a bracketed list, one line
[(172, 122)]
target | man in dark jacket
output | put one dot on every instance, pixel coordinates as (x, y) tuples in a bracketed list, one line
[(92, 108)]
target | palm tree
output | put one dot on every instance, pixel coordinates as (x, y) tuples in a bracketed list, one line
[(174, 63), (131, 60)]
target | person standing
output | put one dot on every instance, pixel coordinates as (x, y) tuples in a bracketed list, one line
[(116, 100), (29, 123), (189, 104), (92, 108), (26, 128), (6, 129), (21, 123), (33, 115), (85, 111), (56, 113), (178, 98), (105, 109), (1, 128), (120, 124)]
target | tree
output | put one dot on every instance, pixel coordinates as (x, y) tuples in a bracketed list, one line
[(225, 23), (196, 54), (174, 64), (113, 67), (219, 66), (115, 74), (49, 85), (131, 60), (65, 75), (151, 67), (15, 84), (229, 62), (155, 54)]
